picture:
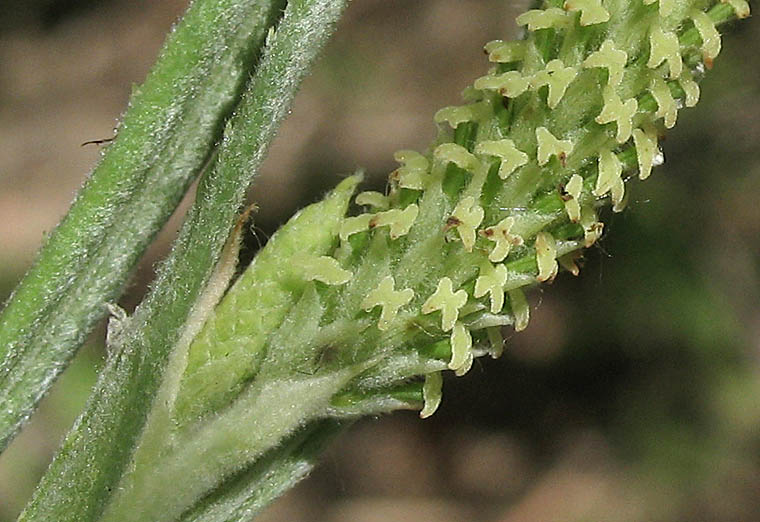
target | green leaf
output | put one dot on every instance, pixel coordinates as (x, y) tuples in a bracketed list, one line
[(228, 351)]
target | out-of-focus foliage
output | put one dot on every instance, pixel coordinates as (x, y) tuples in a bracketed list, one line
[(615, 404)]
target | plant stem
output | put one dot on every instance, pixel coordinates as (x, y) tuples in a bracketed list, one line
[(96, 452), (167, 135), (246, 494)]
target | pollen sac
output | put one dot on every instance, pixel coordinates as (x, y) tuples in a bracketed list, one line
[(466, 218), (390, 300), (537, 19), (510, 84), (520, 309), (399, 221), (592, 11), (665, 48), (324, 269), (432, 393), (610, 58), (500, 234), (572, 205), (491, 281), (496, 340), (455, 115), (412, 173), (568, 262), (462, 370), (373, 199), (549, 146), (461, 348), (505, 52), (710, 36), (690, 87), (557, 77), (610, 179), (447, 301), (741, 7), (354, 225), (592, 229), (458, 155), (615, 110), (666, 6), (546, 257), (667, 109), (646, 150), (511, 157)]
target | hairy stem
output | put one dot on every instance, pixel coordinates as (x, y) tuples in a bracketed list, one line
[(163, 141), (95, 454)]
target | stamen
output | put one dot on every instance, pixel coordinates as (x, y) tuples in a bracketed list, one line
[(505, 52), (467, 216), (399, 221), (557, 77), (610, 58), (447, 301), (690, 87), (520, 309), (324, 268), (620, 112), (500, 234), (412, 173), (592, 11), (432, 393), (610, 178), (510, 84), (666, 104), (711, 43), (458, 155), (511, 157), (461, 347), (354, 225), (646, 150), (572, 205), (665, 47), (546, 257), (537, 19), (549, 146), (592, 229), (491, 281), (456, 115), (373, 199), (741, 7), (391, 301)]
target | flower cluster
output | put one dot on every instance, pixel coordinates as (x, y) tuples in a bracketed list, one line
[(425, 276)]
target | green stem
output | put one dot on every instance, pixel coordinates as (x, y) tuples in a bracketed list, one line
[(165, 138), (96, 452), (246, 494)]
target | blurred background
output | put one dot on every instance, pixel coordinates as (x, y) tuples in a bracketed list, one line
[(634, 395)]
